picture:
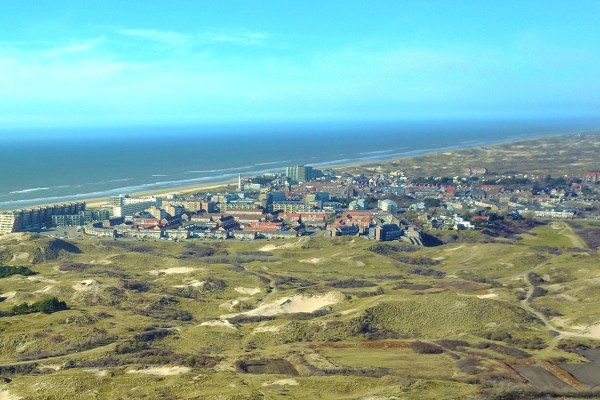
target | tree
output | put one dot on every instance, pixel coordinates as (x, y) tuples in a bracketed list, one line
[(47, 306), (431, 202)]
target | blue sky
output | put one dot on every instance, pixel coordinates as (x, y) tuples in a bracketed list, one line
[(103, 63)]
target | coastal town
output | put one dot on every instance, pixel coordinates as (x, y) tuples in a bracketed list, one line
[(379, 205)]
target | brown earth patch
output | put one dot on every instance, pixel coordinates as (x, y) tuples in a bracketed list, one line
[(268, 366)]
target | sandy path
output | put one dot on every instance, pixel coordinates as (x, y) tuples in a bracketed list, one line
[(576, 240), (591, 331)]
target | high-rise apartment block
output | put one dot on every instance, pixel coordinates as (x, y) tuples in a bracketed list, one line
[(124, 205), (299, 173), (35, 218)]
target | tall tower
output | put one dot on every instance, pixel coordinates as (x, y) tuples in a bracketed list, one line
[(240, 182)]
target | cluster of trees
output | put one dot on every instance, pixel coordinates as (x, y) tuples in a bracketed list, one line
[(8, 270), (47, 306)]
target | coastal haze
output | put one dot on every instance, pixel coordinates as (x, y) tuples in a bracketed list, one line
[(51, 166)]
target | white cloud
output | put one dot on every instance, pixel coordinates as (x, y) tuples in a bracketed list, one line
[(241, 38), (202, 38), (75, 48), (164, 37)]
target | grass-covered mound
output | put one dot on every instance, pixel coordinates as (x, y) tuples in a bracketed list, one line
[(445, 315)]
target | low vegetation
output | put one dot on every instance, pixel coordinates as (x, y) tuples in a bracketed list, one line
[(176, 319), (47, 306), (7, 270)]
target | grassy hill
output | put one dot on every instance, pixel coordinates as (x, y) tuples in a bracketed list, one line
[(298, 318)]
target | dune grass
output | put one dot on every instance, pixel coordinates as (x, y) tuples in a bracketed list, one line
[(159, 304)]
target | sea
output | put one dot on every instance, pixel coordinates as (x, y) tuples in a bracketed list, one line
[(42, 166)]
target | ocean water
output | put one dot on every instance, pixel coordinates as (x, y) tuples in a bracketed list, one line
[(47, 166)]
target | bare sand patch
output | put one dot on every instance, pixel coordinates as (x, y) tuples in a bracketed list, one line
[(589, 331), (270, 247), (291, 382), (6, 395), (592, 331), (102, 262), (8, 295), (319, 361), (294, 304), (98, 372), (174, 270), (192, 283), (85, 285), (487, 296), (559, 322), (314, 260), (45, 289), (106, 260), (226, 365), (229, 304), (36, 278), (248, 291), (52, 367), (21, 256), (219, 323), (268, 328), (161, 371)]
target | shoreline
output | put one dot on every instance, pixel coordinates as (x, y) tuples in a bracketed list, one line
[(188, 189), (182, 190), (101, 201)]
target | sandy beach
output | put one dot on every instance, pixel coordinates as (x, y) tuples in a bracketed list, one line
[(183, 190), (100, 202)]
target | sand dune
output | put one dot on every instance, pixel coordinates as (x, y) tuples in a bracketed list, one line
[(294, 304)]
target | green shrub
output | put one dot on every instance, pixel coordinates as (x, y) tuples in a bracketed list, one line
[(8, 270), (46, 306)]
